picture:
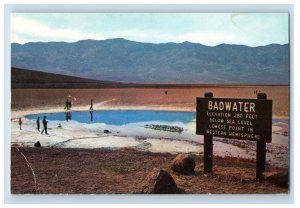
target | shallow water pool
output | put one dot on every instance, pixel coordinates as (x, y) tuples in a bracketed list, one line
[(123, 117), (119, 117)]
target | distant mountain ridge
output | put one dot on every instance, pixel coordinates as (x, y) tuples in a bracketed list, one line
[(127, 61)]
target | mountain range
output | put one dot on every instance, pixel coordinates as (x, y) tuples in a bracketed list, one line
[(121, 60)]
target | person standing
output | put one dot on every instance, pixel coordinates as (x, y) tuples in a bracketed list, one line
[(45, 122), (91, 108), (67, 105), (70, 105), (20, 123), (38, 123)]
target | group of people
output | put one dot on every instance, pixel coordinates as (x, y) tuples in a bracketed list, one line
[(44, 121), (68, 105)]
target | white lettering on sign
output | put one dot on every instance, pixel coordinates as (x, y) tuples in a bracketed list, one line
[(248, 107)]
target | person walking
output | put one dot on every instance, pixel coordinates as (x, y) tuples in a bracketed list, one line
[(91, 108), (20, 123), (45, 122), (38, 123)]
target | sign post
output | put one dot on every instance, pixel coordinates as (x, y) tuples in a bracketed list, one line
[(208, 147), (245, 119), (261, 149)]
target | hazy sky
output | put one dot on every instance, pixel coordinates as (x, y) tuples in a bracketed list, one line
[(252, 29)]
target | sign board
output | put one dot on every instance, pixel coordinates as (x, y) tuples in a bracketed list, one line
[(246, 119)]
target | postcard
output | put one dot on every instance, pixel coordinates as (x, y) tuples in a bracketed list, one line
[(150, 103)]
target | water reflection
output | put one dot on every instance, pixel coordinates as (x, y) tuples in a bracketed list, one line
[(68, 115), (91, 115)]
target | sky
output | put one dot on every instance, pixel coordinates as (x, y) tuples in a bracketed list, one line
[(251, 29)]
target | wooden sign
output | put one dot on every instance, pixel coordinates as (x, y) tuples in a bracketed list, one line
[(246, 119)]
